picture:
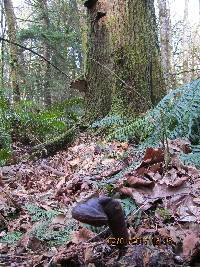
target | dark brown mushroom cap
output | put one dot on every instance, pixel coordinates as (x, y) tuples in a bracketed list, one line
[(90, 212)]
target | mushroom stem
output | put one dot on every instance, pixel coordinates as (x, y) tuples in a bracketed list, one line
[(116, 218)]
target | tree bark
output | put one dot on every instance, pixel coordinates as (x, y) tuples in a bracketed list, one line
[(100, 80), (2, 46), (123, 62), (199, 8), (14, 63), (186, 77), (165, 40), (47, 52)]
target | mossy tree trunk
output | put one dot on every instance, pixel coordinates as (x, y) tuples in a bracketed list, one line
[(123, 63), (99, 79)]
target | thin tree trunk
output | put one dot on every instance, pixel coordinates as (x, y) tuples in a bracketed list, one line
[(165, 40), (47, 52), (2, 46), (186, 77), (14, 63), (199, 8), (75, 22)]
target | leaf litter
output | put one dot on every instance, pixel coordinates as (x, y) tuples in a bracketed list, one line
[(36, 199)]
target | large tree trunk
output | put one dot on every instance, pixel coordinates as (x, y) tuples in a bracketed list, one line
[(123, 60), (14, 63)]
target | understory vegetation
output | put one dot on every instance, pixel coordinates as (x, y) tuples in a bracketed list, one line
[(176, 116), (30, 125)]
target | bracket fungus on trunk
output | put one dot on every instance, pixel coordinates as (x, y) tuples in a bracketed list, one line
[(102, 211), (90, 3)]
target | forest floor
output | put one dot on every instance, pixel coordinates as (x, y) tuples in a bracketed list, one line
[(162, 207)]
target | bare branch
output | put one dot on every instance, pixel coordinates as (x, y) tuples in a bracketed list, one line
[(35, 53)]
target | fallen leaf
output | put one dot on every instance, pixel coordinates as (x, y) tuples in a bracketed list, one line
[(126, 191), (82, 235), (74, 162), (59, 219), (179, 181), (153, 155), (138, 181), (189, 243), (196, 200)]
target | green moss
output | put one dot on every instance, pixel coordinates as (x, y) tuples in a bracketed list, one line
[(164, 213)]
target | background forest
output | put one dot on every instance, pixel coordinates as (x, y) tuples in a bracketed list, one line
[(50, 63), (99, 98)]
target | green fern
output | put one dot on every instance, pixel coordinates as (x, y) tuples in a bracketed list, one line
[(176, 116), (5, 131), (192, 158), (39, 214), (43, 231), (108, 121), (139, 129), (11, 238), (54, 237)]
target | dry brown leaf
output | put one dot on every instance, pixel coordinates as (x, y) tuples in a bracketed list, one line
[(179, 181), (82, 235), (153, 155), (139, 199), (145, 231), (74, 162), (197, 184), (173, 234), (59, 219), (189, 243), (188, 213), (161, 191), (141, 171), (136, 181), (157, 167), (113, 170), (163, 232), (179, 145), (155, 176), (196, 200), (126, 191), (177, 163), (60, 183), (4, 248)]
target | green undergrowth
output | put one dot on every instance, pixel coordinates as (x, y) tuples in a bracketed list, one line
[(39, 214), (30, 124), (177, 115), (44, 230), (11, 238)]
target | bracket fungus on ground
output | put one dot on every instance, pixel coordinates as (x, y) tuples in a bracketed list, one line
[(102, 211)]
